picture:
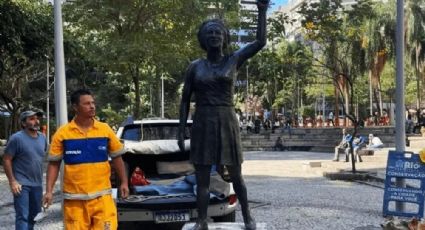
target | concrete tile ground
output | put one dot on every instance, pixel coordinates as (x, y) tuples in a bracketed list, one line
[(300, 195)]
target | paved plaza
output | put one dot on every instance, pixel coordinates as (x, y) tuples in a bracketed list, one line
[(285, 192)]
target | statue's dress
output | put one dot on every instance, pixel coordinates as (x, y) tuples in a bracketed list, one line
[(215, 135)]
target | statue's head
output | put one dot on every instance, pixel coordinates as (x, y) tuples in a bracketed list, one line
[(209, 25)]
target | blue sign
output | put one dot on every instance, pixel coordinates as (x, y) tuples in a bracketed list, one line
[(402, 165)]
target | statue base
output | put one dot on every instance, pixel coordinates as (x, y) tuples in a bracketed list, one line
[(225, 225)]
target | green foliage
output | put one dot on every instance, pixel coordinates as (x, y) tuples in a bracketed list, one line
[(25, 42), (277, 25), (307, 111), (280, 74), (379, 31), (340, 40), (110, 116), (410, 87), (121, 51), (322, 21), (415, 41), (139, 41)]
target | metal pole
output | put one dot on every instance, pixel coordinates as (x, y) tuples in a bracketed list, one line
[(370, 94), (60, 84), (47, 103), (162, 95), (247, 94), (400, 134), (150, 97), (323, 105)]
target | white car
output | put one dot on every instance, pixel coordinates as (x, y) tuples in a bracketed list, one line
[(151, 145)]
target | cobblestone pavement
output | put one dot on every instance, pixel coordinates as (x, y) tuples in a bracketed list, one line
[(287, 193), (284, 192), (7, 213)]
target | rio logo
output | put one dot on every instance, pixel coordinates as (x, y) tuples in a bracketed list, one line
[(407, 165)]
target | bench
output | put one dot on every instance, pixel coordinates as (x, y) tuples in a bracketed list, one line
[(366, 152)]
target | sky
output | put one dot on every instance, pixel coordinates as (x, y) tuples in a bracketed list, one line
[(277, 3)]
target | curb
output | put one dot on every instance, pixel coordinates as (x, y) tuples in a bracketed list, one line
[(348, 175)]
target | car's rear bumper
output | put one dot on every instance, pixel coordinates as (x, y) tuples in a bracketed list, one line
[(137, 214)]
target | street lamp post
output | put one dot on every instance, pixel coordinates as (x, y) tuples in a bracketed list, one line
[(400, 134), (247, 94), (60, 84), (162, 95), (47, 103)]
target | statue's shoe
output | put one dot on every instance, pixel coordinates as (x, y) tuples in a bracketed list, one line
[(200, 226), (251, 225)]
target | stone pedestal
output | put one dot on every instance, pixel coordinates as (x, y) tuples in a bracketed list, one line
[(226, 226)]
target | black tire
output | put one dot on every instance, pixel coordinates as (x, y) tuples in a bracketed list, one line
[(231, 217)]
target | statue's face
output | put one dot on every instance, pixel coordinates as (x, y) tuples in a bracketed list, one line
[(214, 36)]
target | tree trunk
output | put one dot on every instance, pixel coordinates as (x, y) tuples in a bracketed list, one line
[(336, 107), (347, 104), (370, 94), (14, 121), (380, 98), (418, 77)]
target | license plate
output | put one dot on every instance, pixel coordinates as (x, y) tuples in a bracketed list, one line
[(171, 216)]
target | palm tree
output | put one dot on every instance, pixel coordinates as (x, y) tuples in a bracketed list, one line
[(379, 44), (339, 35), (415, 39)]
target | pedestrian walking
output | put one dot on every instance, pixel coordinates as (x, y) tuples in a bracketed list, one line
[(23, 165), (85, 145)]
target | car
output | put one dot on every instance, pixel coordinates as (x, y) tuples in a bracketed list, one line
[(151, 146)]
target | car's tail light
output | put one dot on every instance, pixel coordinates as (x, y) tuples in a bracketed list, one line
[(233, 199)]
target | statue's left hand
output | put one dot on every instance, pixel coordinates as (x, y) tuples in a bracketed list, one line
[(180, 139), (263, 4)]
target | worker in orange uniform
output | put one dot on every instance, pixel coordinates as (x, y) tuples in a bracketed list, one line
[(85, 145)]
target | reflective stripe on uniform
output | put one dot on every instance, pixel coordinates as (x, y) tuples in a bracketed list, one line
[(54, 158), (74, 196), (117, 153)]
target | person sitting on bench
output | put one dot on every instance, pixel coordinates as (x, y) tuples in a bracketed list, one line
[(374, 142), (358, 144), (346, 137)]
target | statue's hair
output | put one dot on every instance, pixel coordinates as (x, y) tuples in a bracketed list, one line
[(202, 32)]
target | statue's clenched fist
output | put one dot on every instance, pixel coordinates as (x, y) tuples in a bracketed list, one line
[(263, 1), (263, 4)]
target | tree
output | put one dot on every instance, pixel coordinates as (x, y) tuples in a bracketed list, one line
[(338, 35), (277, 26), (379, 44), (415, 40), (139, 41), (25, 41)]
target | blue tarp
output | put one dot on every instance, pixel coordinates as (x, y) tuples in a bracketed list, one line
[(218, 187)]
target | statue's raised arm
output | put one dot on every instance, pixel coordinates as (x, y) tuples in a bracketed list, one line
[(260, 41)]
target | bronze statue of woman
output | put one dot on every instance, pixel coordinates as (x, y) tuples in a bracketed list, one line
[(215, 138)]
